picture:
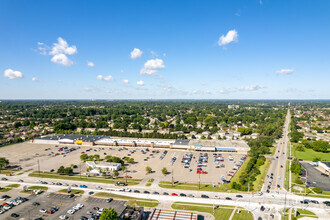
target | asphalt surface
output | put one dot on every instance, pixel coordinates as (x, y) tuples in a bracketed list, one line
[(278, 163), (315, 178)]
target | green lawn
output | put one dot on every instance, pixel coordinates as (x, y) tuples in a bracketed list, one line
[(287, 175), (13, 185), (74, 191), (8, 171), (243, 215), (192, 186), (132, 201), (300, 214), (83, 178), (137, 203), (31, 188), (310, 154), (148, 184), (221, 213), (24, 172), (261, 177), (44, 188), (235, 178), (5, 189)]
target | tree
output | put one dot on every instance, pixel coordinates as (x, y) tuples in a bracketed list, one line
[(109, 214), (3, 162), (115, 173), (84, 157), (61, 170), (164, 171), (17, 124), (148, 169)]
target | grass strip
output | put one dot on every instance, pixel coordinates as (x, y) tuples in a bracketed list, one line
[(83, 178), (74, 191), (13, 185)]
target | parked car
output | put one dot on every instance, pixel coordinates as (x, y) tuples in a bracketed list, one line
[(205, 196), (174, 194)]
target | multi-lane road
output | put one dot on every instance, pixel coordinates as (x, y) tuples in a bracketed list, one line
[(274, 181)]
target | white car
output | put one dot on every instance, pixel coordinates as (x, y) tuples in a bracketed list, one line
[(63, 217), (98, 187), (71, 211), (80, 205), (260, 193), (43, 210), (7, 207), (1, 212), (216, 197)]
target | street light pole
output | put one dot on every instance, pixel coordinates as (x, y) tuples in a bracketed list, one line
[(199, 181), (38, 168)]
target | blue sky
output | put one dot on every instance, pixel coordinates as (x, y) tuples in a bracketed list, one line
[(165, 49)]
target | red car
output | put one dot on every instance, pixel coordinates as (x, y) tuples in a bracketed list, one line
[(229, 174), (50, 212), (82, 152), (129, 177), (199, 171), (174, 194), (204, 172)]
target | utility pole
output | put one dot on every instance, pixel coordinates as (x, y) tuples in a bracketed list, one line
[(126, 174), (172, 178), (38, 167), (199, 181)]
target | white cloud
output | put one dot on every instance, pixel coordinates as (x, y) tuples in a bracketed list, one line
[(249, 88), (284, 72), (140, 83), (62, 47), (136, 53), (87, 89), (121, 71), (231, 36), (61, 59), (35, 79), (252, 87), (152, 66), (12, 74), (40, 43), (91, 64), (125, 81), (60, 50), (104, 78)]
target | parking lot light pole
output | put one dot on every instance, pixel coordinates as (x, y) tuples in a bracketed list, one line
[(199, 181), (38, 168)]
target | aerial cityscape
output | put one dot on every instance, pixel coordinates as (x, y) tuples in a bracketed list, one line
[(158, 110)]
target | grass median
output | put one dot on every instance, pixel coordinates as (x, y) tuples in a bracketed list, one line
[(132, 201), (74, 191), (32, 188), (13, 185), (83, 178), (220, 212)]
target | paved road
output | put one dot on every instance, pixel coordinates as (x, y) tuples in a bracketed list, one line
[(273, 201), (277, 166)]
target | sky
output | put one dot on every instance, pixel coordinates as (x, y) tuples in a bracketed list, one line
[(169, 49)]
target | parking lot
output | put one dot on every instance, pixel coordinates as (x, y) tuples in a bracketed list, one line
[(28, 154), (315, 178), (31, 209)]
